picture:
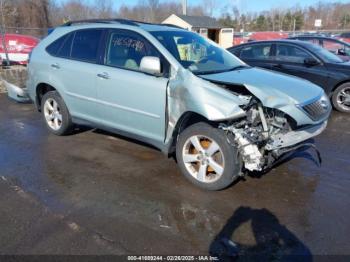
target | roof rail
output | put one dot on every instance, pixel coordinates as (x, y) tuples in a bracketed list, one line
[(102, 21), (115, 20), (170, 25)]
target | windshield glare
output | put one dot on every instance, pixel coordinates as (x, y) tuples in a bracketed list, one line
[(196, 53)]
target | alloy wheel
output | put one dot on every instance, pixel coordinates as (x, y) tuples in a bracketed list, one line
[(343, 98), (203, 158), (52, 114)]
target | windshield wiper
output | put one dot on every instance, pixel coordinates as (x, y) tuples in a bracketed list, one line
[(221, 71), (240, 67)]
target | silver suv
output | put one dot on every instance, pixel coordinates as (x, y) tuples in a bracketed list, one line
[(176, 91)]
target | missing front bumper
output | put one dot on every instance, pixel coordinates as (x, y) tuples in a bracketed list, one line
[(294, 137)]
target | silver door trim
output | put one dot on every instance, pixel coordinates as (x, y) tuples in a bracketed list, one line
[(113, 105)]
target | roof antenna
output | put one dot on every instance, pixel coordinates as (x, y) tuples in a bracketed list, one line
[(184, 7)]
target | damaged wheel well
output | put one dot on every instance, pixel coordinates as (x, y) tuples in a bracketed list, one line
[(41, 90), (186, 120)]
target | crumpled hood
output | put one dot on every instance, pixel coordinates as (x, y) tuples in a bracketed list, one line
[(273, 89)]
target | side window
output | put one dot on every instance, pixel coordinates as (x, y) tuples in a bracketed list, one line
[(260, 52), (289, 53), (85, 45), (332, 46), (65, 49), (126, 49), (314, 41), (53, 48), (236, 52)]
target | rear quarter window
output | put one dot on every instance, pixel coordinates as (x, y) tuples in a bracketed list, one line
[(54, 47), (66, 47)]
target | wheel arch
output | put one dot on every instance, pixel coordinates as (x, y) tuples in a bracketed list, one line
[(40, 90), (333, 98), (187, 119), (339, 84)]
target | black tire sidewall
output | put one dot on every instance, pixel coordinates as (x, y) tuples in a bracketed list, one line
[(334, 98), (66, 118), (232, 161)]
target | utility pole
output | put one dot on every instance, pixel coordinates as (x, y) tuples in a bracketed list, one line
[(3, 33), (294, 21), (184, 7)]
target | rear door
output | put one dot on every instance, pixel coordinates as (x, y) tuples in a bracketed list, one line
[(290, 59), (131, 100), (258, 55), (74, 69)]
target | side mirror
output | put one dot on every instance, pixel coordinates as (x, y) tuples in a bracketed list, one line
[(341, 51), (310, 61), (151, 65)]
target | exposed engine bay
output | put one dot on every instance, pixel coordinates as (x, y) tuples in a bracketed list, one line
[(265, 134), (262, 120)]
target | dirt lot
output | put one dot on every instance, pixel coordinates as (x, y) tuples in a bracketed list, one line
[(96, 193)]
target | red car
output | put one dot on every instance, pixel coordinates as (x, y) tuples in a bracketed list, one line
[(260, 36), (345, 37), (18, 47), (239, 38)]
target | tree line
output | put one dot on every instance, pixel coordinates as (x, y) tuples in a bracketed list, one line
[(334, 16), (49, 13)]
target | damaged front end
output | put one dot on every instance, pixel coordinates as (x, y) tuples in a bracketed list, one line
[(263, 120), (266, 134)]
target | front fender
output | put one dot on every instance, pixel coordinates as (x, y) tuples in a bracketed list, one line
[(189, 93)]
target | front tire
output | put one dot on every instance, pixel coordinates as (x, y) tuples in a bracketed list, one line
[(206, 158), (56, 114), (341, 98)]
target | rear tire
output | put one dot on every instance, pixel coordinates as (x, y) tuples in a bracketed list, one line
[(341, 98), (206, 158), (56, 114)]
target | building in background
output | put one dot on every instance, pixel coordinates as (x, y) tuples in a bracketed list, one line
[(204, 25)]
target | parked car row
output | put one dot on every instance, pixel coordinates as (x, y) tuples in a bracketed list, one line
[(304, 60), (334, 45), (179, 92), (244, 37)]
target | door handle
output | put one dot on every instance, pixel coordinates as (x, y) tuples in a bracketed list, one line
[(103, 75), (55, 65)]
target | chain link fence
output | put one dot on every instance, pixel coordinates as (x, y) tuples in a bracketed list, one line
[(36, 32)]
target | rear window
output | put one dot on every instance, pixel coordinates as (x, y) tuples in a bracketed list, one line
[(85, 45)]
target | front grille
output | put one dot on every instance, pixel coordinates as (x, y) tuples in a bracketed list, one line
[(317, 110)]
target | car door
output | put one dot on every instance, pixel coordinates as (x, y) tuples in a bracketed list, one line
[(131, 100), (73, 67), (290, 59), (258, 55)]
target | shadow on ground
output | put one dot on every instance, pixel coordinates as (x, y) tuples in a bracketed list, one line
[(273, 241)]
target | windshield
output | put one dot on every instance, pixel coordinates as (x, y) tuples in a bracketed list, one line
[(196, 53), (325, 55)]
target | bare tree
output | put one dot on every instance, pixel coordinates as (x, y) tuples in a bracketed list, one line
[(103, 8), (210, 6)]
